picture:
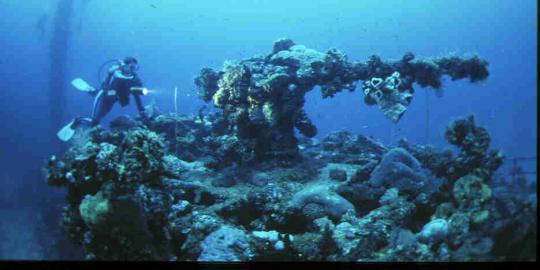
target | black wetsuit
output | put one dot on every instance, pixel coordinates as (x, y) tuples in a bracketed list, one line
[(116, 87)]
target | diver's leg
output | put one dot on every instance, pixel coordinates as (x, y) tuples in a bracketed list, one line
[(102, 106), (82, 121), (93, 93)]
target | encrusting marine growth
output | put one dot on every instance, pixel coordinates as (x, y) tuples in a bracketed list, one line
[(262, 98), (225, 193)]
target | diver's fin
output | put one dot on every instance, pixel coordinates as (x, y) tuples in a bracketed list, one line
[(66, 132), (81, 85)]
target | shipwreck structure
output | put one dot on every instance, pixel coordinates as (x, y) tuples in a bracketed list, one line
[(262, 98), (208, 187)]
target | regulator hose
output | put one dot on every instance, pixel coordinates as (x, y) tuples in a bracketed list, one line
[(103, 65)]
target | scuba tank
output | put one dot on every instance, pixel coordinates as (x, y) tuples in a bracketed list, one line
[(108, 62), (140, 90)]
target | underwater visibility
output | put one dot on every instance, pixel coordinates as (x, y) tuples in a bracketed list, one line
[(226, 131)]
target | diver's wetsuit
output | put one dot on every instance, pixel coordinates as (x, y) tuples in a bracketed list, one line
[(116, 87)]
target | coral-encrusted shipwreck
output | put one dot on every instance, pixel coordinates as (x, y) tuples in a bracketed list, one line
[(262, 98), (191, 188)]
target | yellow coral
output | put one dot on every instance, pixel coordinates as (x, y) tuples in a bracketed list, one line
[(94, 209), (227, 85), (219, 98), (270, 113)]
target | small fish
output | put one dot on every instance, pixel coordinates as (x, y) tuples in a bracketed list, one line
[(153, 6)]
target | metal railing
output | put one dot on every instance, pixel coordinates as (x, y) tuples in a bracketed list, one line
[(516, 169)]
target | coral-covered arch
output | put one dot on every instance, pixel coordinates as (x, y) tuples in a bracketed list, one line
[(262, 98)]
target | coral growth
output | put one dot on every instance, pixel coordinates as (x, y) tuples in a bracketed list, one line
[(238, 185), (262, 98), (131, 195)]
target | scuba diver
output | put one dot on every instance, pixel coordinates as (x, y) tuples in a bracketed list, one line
[(121, 81)]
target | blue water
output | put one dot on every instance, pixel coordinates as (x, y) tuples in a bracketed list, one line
[(174, 39)]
